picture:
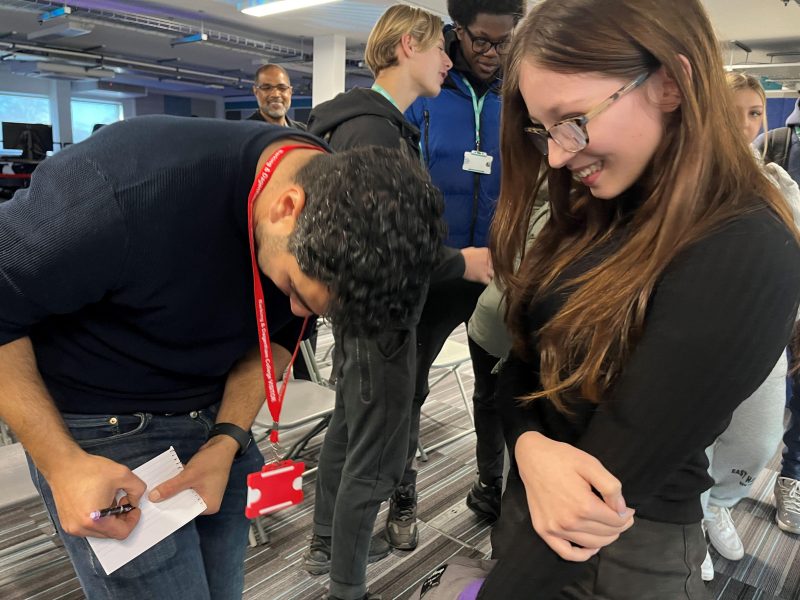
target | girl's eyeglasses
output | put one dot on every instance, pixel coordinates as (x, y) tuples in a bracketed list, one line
[(571, 133)]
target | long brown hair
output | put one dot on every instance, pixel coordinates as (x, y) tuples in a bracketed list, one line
[(701, 175)]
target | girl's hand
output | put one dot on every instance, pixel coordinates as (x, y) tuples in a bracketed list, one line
[(566, 512)]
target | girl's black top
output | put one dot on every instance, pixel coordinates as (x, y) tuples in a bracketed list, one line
[(717, 322)]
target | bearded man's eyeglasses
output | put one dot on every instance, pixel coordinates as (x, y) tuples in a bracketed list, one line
[(268, 87)]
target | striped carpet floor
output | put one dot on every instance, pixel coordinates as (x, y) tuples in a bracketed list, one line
[(33, 565)]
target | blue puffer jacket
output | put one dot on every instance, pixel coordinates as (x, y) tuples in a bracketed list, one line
[(447, 125)]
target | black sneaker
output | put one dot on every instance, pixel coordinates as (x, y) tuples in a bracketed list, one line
[(369, 596), (484, 500), (401, 522), (317, 559)]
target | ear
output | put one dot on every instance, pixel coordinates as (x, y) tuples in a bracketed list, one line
[(406, 47), (285, 208), (670, 96), (459, 31)]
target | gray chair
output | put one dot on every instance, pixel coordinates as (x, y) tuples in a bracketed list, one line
[(305, 402), (451, 357)]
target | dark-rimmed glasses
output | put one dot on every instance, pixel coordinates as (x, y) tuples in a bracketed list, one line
[(268, 87), (571, 133), (481, 45)]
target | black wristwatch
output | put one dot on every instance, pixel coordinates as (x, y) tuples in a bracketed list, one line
[(242, 437)]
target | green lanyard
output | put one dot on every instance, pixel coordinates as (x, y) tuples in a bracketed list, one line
[(382, 91), (477, 106), (385, 94)]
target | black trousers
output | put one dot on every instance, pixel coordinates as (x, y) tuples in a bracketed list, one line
[(650, 561), (364, 451), (450, 303), (488, 424)]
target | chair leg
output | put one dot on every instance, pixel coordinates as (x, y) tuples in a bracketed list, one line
[(423, 456), (308, 356), (467, 402), (449, 440), (301, 444), (467, 405), (261, 535)]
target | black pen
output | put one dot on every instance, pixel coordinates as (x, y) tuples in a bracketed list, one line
[(110, 511)]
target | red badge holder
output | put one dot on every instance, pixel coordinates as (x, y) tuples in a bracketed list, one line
[(277, 486)]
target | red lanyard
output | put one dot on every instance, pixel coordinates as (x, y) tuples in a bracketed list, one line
[(274, 399)]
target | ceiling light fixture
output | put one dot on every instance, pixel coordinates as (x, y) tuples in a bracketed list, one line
[(262, 8), (61, 11), (190, 39)]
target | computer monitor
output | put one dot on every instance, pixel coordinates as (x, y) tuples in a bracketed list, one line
[(35, 140)]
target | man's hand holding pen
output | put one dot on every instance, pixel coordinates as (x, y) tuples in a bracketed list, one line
[(89, 482)]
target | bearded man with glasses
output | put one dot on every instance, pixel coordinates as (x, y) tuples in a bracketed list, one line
[(273, 91)]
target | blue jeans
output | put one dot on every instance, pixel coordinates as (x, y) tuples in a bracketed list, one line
[(204, 559), (791, 438)]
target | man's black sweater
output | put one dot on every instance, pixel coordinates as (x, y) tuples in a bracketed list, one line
[(127, 263)]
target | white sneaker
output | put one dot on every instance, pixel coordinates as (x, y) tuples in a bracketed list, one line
[(707, 568), (722, 533)]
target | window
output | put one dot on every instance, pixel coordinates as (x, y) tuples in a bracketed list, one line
[(24, 108), (88, 113)]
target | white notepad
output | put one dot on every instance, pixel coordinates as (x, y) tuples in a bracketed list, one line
[(158, 520)]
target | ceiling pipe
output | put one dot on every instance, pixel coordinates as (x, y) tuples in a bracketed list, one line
[(143, 23), (123, 63), (760, 66)]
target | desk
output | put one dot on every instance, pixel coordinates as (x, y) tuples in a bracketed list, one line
[(10, 161), (15, 173)]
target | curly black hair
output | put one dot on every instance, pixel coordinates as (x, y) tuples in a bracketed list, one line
[(464, 12), (371, 231)]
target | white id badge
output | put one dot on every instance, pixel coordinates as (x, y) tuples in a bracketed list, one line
[(478, 162)]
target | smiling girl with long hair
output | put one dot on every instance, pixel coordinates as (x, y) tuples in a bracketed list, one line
[(657, 297)]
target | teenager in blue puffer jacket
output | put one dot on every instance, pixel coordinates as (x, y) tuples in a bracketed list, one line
[(447, 127)]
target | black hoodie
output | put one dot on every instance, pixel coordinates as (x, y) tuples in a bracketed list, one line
[(362, 117)]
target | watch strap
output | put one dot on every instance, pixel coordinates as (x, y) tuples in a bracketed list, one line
[(242, 437)]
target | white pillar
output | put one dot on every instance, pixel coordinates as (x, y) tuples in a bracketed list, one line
[(128, 108), (329, 62), (61, 113), (219, 107)]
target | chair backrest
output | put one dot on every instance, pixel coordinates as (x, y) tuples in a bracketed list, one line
[(305, 402), (15, 478), (452, 353), (778, 144)]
